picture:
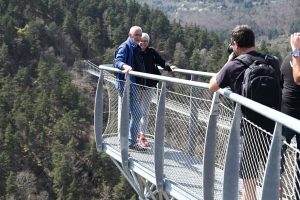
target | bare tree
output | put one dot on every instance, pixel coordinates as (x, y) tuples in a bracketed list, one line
[(106, 193), (26, 183)]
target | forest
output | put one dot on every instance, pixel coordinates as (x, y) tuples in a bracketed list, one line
[(47, 148)]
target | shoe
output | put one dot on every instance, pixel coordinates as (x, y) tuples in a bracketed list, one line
[(137, 147), (142, 140)]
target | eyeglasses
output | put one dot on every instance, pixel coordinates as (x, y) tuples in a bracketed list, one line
[(145, 41)]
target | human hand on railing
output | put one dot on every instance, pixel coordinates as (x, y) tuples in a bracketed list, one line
[(295, 41), (173, 67), (126, 69)]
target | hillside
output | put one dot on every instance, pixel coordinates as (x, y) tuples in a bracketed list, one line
[(224, 15), (47, 150), (269, 19)]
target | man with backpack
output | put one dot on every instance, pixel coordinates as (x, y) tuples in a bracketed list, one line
[(128, 57), (243, 66)]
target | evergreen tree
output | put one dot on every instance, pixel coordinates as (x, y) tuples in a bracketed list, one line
[(68, 24), (41, 114), (194, 60), (160, 28), (180, 59), (123, 190), (4, 59), (69, 94), (61, 175), (43, 76), (4, 166), (142, 17), (11, 185), (3, 117), (294, 27), (22, 79), (73, 191), (27, 104)]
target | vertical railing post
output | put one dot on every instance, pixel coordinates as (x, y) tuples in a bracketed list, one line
[(98, 112), (193, 123), (210, 150), (231, 171), (124, 124), (271, 184), (159, 140)]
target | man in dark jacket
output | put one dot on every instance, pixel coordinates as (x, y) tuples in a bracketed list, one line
[(243, 42)]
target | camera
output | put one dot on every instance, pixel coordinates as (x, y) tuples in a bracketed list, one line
[(230, 48)]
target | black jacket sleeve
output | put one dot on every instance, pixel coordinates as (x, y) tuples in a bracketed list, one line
[(159, 60)]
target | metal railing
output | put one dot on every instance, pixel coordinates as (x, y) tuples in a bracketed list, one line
[(195, 137)]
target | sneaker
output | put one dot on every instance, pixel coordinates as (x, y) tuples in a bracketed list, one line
[(142, 140), (137, 147)]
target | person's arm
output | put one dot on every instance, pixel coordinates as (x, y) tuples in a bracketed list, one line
[(296, 69), (119, 61), (295, 44), (213, 85), (158, 59)]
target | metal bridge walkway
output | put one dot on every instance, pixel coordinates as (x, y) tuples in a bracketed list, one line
[(194, 140)]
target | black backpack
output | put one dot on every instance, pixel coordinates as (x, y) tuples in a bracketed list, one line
[(261, 84)]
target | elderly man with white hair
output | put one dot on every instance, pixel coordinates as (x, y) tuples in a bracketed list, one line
[(151, 60), (128, 57)]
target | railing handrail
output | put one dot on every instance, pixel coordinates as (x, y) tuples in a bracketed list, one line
[(183, 71), (270, 113)]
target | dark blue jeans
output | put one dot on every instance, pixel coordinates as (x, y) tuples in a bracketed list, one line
[(135, 115)]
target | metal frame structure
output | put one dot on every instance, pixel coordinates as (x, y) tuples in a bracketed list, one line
[(148, 184)]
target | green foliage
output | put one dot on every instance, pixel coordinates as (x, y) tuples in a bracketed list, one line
[(11, 185), (45, 116), (122, 190), (264, 48), (4, 59), (61, 175), (272, 34), (73, 190), (4, 165), (295, 27)]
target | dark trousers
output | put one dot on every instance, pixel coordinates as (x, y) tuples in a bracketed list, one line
[(289, 134)]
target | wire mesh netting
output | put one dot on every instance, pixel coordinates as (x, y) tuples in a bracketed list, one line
[(186, 117)]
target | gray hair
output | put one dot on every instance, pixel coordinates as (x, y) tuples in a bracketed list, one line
[(146, 36), (133, 29)]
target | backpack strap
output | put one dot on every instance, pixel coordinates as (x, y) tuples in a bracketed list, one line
[(248, 59), (127, 56), (128, 49)]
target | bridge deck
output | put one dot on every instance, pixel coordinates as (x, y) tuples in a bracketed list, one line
[(183, 170)]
